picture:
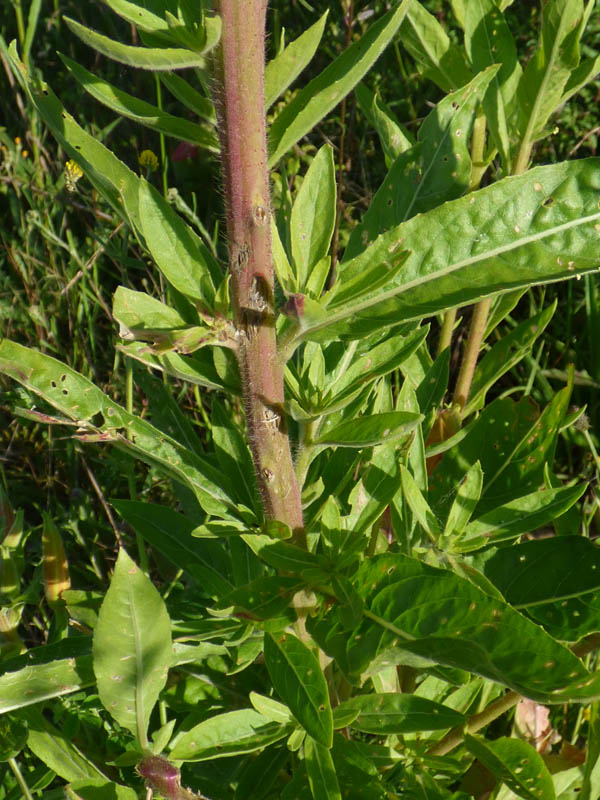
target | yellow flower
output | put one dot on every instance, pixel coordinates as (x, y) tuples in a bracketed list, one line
[(148, 160), (17, 140), (72, 174), (25, 153)]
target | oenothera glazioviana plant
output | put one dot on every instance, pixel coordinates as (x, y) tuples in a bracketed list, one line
[(355, 547)]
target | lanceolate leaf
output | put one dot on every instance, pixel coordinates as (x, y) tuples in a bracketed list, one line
[(98, 418), (132, 647), (115, 181), (370, 430), (521, 515), (535, 228), (325, 91), (549, 70), (177, 250), (139, 16), (313, 215), (38, 682), (488, 41), (287, 65), (159, 58), (428, 43), (170, 533), (516, 763), (228, 734), (435, 614), (382, 714), (435, 170), (140, 111), (320, 769), (299, 681)]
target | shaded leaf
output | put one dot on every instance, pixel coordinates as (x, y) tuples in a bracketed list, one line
[(320, 769), (383, 714), (516, 763), (299, 681)]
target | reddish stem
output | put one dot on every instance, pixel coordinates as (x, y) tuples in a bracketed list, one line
[(239, 71)]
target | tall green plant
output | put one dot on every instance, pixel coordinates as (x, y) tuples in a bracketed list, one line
[(363, 564)]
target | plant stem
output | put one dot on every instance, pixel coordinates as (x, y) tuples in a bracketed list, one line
[(469, 361), (239, 73), (481, 311), (474, 724), (12, 763), (446, 331)]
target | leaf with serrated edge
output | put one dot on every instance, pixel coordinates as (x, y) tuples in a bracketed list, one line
[(132, 647)]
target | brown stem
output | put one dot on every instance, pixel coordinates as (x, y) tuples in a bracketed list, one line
[(239, 73), (469, 362)]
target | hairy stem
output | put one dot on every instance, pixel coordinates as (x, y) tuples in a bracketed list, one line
[(239, 74)]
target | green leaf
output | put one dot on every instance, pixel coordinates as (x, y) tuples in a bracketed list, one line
[(488, 40), (13, 737), (177, 250), (320, 769), (394, 138), (113, 179), (229, 734), (418, 505), (299, 681), (170, 534), (437, 615), (427, 42), (569, 620), (100, 419), (33, 684), (545, 570), (55, 749), (260, 774), (516, 763), (283, 70), (188, 96), (521, 515), (324, 92), (282, 555), (435, 170), (88, 789), (137, 15), (234, 457), (534, 228), (138, 310), (132, 647), (371, 430), (382, 714), (140, 111), (313, 215), (467, 497), (266, 597), (545, 78), (161, 58)]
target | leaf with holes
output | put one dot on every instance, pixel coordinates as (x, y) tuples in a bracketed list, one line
[(437, 615), (521, 515), (515, 763), (545, 570), (438, 168), (98, 418), (299, 681), (132, 648), (386, 713)]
